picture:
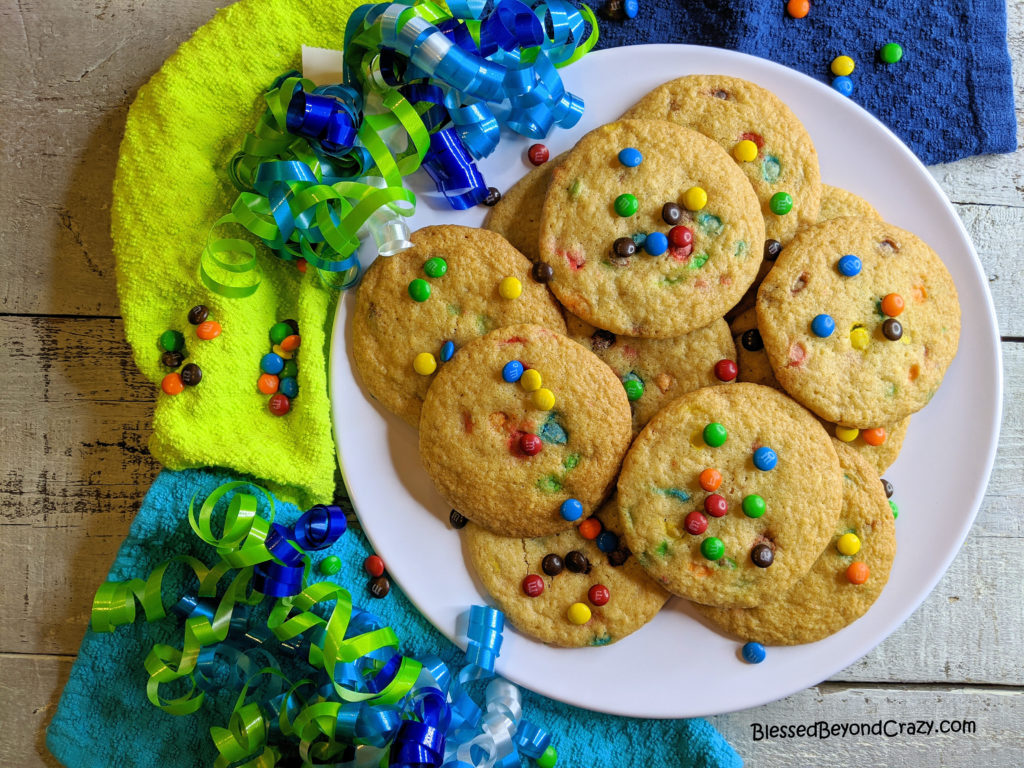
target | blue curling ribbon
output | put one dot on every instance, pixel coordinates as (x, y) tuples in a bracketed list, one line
[(454, 173), (320, 526)]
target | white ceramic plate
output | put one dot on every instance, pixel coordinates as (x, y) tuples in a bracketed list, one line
[(676, 666)]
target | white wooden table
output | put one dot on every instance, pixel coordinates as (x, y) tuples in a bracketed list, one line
[(75, 416)]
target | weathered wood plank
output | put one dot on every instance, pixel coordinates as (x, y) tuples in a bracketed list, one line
[(72, 66), (992, 718), (30, 688), (995, 232), (74, 422)]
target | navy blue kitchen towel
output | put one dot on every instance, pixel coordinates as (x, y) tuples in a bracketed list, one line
[(951, 96)]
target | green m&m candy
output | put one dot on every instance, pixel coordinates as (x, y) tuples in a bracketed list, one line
[(279, 332), (419, 290), (891, 53), (548, 759), (712, 548), (753, 505), (634, 389), (715, 434), (172, 341), (330, 565), (435, 266), (626, 205), (781, 203)]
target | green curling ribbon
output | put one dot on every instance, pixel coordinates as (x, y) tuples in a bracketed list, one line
[(173, 686)]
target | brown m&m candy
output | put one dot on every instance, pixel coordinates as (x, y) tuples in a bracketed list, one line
[(198, 314), (577, 562), (191, 375), (552, 564), (762, 555), (379, 586)]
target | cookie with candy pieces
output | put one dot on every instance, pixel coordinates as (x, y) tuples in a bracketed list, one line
[(859, 320), (649, 229), (879, 445), (843, 583), (655, 372), (524, 430), (729, 494), (575, 588), (416, 309)]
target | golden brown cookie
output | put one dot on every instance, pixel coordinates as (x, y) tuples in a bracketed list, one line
[(730, 110), (390, 328), (886, 440), (729, 494), (597, 208), (868, 347), (513, 457), (837, 203), (825, 600), (661, 369), (502, 563), (516, 217)]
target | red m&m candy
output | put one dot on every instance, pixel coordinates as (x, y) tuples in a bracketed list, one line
[(599, 594), (373, 565), (716, 505), (726, 370), (279, 404), (531, 445), (533, 585), (538, 154), (695, 523)]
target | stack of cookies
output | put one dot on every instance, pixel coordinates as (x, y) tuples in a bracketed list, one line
[(673, 363)]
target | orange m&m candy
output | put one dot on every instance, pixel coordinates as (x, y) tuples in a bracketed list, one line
[(172, 384), (798, 8), (208, 330), (267, 383), (710, 479), (857, 573), (874, 436), (892, 305), (291, 343), (590, 528)]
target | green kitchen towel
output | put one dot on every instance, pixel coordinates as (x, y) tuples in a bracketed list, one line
[(171, 186)]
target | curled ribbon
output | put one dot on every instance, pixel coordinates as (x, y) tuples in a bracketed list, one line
[(361, 703)]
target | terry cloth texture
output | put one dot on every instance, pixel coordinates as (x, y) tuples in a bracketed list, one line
[(104, 719), (171, 186), (950, 97)]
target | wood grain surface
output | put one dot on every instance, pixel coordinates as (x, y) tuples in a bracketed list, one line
[(75, 416)]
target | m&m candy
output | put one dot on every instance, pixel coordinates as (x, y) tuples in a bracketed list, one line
[(842, 65), (512, 371), (424, 364), (753, 653), (823, 326), (844, 85), (781, 203), (765, 458), (510, 288), (753, 505), (710, 479), (538, 154), (530, 380), (626, 205), (571, 509), (634, 389), (716, 505), (695, 523), (590, 528), (630, 157), (419, 290), (435, 266), (530, 445), (533, 585), (726, 370), (656, 243), (543, 399), (599, 595), (858, 573), (279, 404), (848, 544), (578, 613), (849, 266), (715, 434), (745, 151), (695, 198), (712, 548), (373, 565)]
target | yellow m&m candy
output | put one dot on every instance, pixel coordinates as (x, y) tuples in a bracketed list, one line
[(847, 434), (510, 288), (578, 613), (695, 198), (544, 399), (842, 66), (530, 380), (424, 364), (848, 544), (745, 151), (860, 338)]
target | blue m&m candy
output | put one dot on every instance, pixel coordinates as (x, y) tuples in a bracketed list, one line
[(753, 653), (631, 8), (844, 85), (288, 386), (512, 372), (447, 350), (271, 363), (656, 243), (849, 265), (571, 509), (823, 326), (607, 541), (630, 157), (765, 458)]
